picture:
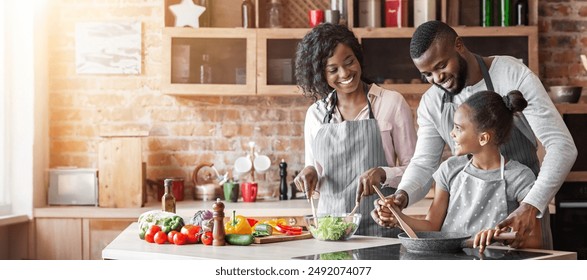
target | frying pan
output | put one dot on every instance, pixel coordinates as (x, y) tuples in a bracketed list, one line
[(442, 242)]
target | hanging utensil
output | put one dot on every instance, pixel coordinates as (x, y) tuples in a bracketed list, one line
[(409, 231), (584, 60)]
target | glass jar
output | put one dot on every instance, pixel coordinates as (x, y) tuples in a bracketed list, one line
[(274, 14), (205, 70), (248, 14)]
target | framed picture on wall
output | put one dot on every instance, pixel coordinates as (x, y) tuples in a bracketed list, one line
[(111, 47)]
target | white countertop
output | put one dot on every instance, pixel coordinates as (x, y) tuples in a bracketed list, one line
[(128, 246)]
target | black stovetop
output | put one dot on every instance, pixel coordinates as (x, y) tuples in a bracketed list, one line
[(398, 252)]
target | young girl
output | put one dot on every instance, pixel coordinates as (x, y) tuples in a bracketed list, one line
[(477, 188)]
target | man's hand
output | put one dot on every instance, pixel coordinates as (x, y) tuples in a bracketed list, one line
[(372, 177), (523, 221), (382, 215)]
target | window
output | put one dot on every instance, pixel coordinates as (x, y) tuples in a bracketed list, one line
[(4, 190)]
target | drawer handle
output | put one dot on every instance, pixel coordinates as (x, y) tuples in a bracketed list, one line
[(573, 205)]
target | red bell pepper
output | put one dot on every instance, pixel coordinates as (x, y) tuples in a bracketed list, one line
[(289, 230), (252, 222)]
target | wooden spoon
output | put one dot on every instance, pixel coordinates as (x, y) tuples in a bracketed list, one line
[(314, 211), (354, 209), (409, 231)]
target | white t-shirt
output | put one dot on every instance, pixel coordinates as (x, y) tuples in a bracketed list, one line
[(507, 73)]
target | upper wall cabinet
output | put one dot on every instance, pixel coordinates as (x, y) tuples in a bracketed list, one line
[(223, 58), (209, 61)]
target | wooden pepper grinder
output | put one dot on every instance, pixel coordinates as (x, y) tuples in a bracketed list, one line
[(218, 231)]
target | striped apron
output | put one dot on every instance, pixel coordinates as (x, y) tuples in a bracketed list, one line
[(521, 146), (344, 151)]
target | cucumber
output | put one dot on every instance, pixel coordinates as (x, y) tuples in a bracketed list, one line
[(239, 239), (261, 230)]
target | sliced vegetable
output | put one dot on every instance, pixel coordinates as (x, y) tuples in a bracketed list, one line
[(332, 228), (289, 230), (261, 230), (239, 239)]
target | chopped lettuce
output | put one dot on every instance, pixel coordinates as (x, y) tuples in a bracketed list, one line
[(336, 256), (332, 228)]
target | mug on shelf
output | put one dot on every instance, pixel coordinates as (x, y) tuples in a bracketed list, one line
[(231, 191), (332, 16), (249, 191), (316, 17)]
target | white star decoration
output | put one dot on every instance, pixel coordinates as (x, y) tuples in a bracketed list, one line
[(187, 13)]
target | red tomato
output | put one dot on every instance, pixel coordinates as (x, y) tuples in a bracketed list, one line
[(150, 238), (207, 238), (160, 237), (153, 229), (179, 238), (170, 236), (150, 234), (192, 232)]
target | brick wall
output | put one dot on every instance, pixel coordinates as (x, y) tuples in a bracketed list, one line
[(187, 131), (563, 36), (183, 132)]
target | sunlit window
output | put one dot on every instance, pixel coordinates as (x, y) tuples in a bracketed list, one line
[(4, 189)]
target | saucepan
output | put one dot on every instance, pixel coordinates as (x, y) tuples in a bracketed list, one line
[(442, 242)]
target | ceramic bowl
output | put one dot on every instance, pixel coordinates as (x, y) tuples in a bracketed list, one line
[(565, 94), (333, 227)]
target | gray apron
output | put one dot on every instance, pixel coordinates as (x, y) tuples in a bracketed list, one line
[(344, 151), (521, 146), (466, 213)]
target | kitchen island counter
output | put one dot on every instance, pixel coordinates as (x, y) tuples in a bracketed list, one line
[(129, 246)]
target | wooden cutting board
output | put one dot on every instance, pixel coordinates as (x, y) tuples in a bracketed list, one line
[(281, 238)]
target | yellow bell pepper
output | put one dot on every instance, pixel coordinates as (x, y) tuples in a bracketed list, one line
[(237, 225)]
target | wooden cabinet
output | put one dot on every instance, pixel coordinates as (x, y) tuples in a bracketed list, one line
[(58, 239), (75, 238), (231, 60), (267, 56), (387, 58)]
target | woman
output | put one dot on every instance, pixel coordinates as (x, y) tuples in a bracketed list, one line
[(477, 188), (357, 134)]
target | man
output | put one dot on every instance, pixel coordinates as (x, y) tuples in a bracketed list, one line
[(456, 73)]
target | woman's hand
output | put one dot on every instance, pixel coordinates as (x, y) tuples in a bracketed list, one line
[(382, 215), (307, 180), (484, 238), (372, 177)]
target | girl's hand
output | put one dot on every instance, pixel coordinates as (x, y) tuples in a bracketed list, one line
[(382, 215), (484, 238)]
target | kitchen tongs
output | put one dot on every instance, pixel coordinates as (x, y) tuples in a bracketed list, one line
[(409, 231)]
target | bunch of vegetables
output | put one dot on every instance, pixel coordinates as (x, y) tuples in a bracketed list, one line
[(332, 228), (167, 221)]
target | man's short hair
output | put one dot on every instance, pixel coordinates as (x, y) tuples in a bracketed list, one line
[(428, 32)]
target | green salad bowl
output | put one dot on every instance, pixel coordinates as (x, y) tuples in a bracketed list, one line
[(333, 227)]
